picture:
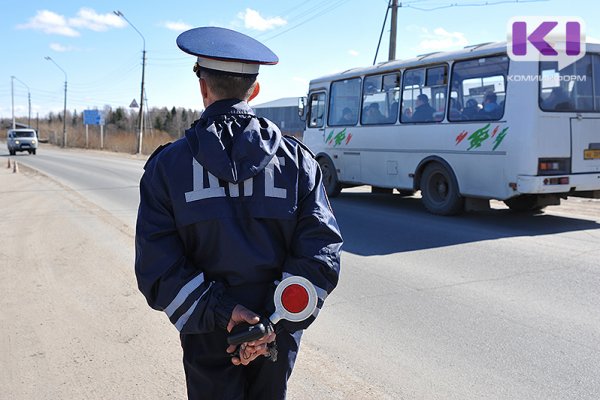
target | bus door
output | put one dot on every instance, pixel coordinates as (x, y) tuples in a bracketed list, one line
[(341, 131), (576, 89), (585, 148)]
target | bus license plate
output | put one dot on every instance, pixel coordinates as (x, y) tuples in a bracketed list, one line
[(591, 154)]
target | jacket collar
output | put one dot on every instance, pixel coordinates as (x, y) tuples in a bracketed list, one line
[(228, 106)]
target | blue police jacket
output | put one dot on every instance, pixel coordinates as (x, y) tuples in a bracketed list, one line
[(224, 213)]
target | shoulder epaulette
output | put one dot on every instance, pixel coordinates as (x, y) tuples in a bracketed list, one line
[(155, 152), (299, 142)]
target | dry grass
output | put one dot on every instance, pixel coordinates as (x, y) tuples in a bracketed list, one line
[(118, 140), (114, 139)]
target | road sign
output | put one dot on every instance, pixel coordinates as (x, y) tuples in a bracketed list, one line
[(92, 117), (133, 104)]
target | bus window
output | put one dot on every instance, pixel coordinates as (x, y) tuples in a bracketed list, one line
[(597, 82), (596, 62), (572, 88), (344, 103), (381, 94), (424, 94), (316, 110), (480, 87)]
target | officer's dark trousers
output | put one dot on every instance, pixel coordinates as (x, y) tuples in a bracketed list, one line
[(210, 375)]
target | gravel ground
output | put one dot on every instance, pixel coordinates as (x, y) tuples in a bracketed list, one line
[(73, 324)]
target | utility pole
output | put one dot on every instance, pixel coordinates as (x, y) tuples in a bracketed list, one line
[(142, 98), (12, 95), (393, 30), (28, 99), (141, 118), (65, 107)]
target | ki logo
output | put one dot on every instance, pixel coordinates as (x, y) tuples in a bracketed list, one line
[(560, 39)]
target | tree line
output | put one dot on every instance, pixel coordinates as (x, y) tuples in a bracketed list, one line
[(173, 121)]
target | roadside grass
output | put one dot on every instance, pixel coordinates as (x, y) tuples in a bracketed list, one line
[(115, 139)]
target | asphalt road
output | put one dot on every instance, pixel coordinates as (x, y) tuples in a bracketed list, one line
[(490, 305)]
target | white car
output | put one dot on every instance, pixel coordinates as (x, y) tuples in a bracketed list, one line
[(22, 140)]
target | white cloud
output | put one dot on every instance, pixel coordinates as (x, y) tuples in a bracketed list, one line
[(253, 20), (440, 39), (178, 26), (90, 19), (60, 48), (51, 23), (353, 53)]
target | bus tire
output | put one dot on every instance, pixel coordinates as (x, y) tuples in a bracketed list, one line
[(439, 191), (330, 179), (524, 203)]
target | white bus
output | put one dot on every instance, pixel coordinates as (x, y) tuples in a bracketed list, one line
[(462, 127)]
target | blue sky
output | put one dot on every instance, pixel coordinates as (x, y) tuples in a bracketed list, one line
[(101, 53)]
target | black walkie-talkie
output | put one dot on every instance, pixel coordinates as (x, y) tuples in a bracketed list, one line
[(246, 333)]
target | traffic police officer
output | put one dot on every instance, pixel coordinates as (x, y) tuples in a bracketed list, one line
[(225, 213)]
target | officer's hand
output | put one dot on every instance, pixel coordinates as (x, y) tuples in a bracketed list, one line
[(242, 314), (249, 351)]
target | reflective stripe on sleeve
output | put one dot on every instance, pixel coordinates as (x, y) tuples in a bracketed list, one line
[(184, 293), (184, 318)]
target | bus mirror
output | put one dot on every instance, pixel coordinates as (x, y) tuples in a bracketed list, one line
[(302, 108)]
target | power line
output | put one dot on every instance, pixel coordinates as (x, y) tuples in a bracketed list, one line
[(484, 4), (309, 18), (408, 4)]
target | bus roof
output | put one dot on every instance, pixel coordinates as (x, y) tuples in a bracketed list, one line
[(478, 50)]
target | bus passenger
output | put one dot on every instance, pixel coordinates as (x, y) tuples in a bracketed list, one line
[(454, 113), (393, 112), (347, 117), (491, 109), (471, 109), (373, 115), (556, 100), (423, 111)]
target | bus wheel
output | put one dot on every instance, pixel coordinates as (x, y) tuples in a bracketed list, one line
[(330, 179), (439, 191), (524, 203)]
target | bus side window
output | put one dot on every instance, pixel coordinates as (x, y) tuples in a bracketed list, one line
[(596, 75), (424, 94), (316, 110), (344, 102), (478, 89), (381, 94), (578, 92)]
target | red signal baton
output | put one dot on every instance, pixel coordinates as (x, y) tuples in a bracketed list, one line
[(295, 300)]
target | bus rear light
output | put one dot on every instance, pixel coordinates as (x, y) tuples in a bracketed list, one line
[(553, 166), (563, 180)]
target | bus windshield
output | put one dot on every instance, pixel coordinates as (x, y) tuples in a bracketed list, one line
[(573, 88)]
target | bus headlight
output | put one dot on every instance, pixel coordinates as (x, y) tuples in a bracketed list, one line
[(33, 142), (17, 142), (554, 166)]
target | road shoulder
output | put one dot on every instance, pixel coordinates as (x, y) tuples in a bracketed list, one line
[(73, 324)]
